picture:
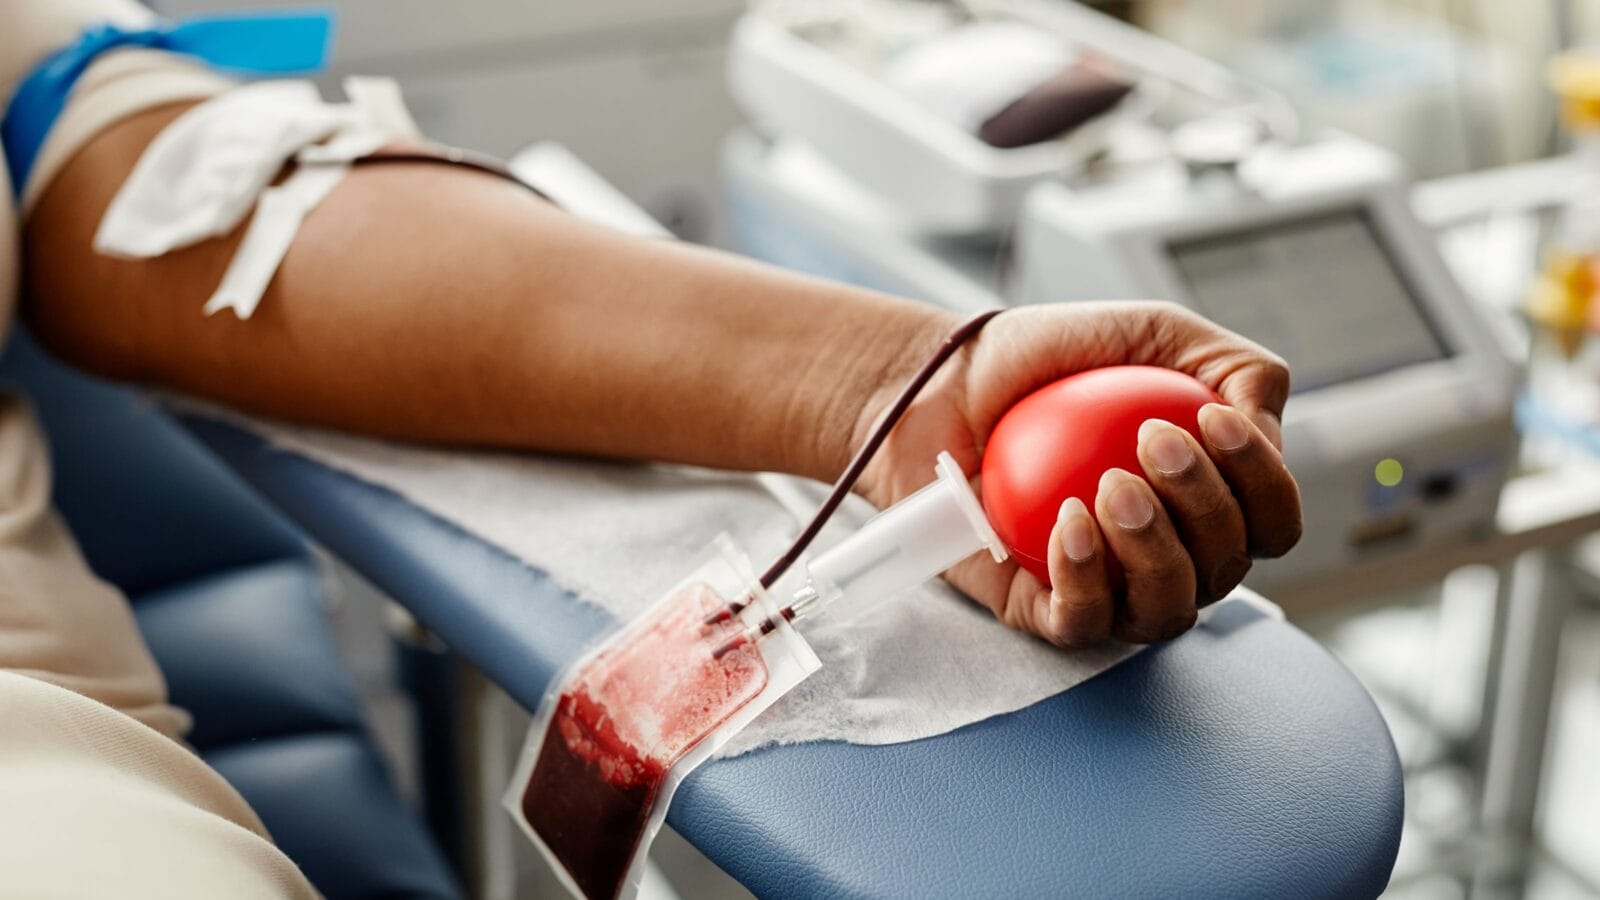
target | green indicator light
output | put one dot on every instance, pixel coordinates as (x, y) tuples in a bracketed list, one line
[(1388, 472)]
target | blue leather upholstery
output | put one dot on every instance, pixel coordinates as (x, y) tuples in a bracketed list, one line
[(284, 662), (314, 786), (229, 600), (148, 505), (1239, 761)]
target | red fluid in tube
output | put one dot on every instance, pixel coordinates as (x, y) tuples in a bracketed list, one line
[(1059, 440), (623, 721)]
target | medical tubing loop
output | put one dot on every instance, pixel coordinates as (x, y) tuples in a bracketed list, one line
[(846, 481), (435, 154)]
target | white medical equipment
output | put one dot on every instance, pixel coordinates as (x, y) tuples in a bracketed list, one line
[(1399, 430)]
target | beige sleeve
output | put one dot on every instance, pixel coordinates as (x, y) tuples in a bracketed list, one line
[(94, 804), (98, 796), (58, 622), (31, 29), (117, 84)]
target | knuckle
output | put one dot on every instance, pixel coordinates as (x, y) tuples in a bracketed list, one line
[(1156, 632), (1080, 607), (1275, 368), (1170, 309), (1264, 483), (1077, 601), (1227, 575), (1157, 545), (1080, 614), (1059, 635), (1160, 605), (1209, 504), (1158, 319), (1276, 501), (1279, 540), (1075, 636), (1178, 624)]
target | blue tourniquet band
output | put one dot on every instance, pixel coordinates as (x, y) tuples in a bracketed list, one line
[(273, 43)]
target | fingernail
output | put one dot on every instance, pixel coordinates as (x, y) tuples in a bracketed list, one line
[(1077, 536), (1128, 505), (1223, 427), (1166, 446)]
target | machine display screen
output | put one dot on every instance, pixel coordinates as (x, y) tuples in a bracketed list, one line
[(1322, 292)]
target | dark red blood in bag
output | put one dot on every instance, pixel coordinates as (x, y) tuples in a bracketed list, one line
[(1059, 440), (623, 721)]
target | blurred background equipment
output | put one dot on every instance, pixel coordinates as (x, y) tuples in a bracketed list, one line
[(634, 87), (1400, 433), (1400, 74)]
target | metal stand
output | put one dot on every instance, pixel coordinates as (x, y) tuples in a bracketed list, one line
[(1538, 602)]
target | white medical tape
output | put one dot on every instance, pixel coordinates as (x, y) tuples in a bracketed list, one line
[(279, 212), (381, 100), (200, 177)]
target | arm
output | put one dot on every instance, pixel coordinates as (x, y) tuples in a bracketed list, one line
[(439, 305), (435, 304)]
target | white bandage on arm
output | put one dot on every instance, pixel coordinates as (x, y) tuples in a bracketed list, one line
[(199, 178)]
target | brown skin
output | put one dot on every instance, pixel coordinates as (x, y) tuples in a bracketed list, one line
[(434, 304)]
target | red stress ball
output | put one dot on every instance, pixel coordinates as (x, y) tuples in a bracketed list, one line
[(1059, 440)]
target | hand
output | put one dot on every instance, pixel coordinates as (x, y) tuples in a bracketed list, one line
[(1184, 529)]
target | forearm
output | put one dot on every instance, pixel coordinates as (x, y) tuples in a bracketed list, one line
[(434, 304)]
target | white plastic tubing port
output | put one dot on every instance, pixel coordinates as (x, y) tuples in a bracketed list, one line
[(909, 542)]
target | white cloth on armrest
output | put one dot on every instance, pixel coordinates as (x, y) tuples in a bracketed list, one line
[(916, 665)]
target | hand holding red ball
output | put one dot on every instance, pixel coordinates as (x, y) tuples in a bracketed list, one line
[(1128, 493)]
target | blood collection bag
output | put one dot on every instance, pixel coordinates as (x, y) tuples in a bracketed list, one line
[(620, 729)]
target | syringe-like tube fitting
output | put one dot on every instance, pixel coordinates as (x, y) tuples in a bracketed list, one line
[(905, 545), (901, 547)]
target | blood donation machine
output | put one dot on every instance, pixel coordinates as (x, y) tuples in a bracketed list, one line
[(1194, 189)]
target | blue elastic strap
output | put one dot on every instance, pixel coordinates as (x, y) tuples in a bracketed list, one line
[(285, 43)]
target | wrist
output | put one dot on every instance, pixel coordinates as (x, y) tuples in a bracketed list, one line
[(871, 366)]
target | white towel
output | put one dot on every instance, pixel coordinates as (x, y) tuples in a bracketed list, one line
[(915, 665)]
